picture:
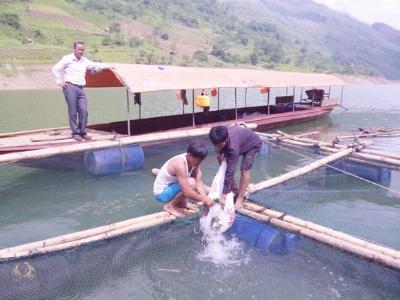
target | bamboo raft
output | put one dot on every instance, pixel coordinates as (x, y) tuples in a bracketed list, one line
[(102, 144), (79, 238), (376, 253), (371, 251), (361, 153)]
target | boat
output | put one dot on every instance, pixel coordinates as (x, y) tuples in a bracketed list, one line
[(285, 109)]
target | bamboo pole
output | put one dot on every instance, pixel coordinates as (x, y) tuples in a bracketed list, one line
[(307, 134), (374, 156), (357, 157), (51, 138), (11, 134), (335, 242), (378, 158), (301, 171), (82, 234), (299, 144), (374, 163), (364, 135), (381, 153), (321, 229), (311, 141), (162, 136), (75, 243)]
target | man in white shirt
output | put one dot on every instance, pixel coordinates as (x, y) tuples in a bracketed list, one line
[(69, 74)]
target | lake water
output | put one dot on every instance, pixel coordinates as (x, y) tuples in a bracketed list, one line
[(37, 204)]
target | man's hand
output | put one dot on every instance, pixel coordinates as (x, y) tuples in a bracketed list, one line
[(223, 198), (208, 201), (220, 157), (63, 84)]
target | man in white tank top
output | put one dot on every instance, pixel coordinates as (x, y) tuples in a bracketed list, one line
[(180, 178)]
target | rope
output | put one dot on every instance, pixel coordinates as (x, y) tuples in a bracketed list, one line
[(118, 138), (332, 167), (24, 271)]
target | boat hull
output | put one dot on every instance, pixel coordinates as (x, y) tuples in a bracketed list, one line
[(274, 117)]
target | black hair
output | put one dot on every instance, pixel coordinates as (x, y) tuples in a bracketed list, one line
[(218, 134), (78, 42), (197, 149)]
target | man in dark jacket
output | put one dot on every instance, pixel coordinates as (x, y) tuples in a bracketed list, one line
[(231, 142)]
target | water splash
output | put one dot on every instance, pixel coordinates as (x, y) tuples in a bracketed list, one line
[(219, 248), (222, 250)]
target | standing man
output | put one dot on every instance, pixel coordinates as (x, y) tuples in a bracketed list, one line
[(230, 143), (69, 74), (180, 178)]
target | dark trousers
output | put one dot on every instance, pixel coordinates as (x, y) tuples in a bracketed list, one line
[(77, 108)]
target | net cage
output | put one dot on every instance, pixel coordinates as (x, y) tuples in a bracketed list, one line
[(163, 262), (168, 261)]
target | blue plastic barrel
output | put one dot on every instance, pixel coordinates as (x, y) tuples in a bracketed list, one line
[(262, 236), (114, 160), (373, 173)]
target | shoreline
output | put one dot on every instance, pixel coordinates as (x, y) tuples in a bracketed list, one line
[(35, 77)]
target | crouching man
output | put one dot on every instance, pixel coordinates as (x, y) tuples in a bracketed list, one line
[(230, 143), (180, 178)]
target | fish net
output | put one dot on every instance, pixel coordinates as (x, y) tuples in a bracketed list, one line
[(253, 259), (168, 262)]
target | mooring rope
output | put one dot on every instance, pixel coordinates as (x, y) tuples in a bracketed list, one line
[(121, 148), (332, 167)]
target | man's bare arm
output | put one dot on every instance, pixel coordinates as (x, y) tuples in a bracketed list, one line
[(179, 169)]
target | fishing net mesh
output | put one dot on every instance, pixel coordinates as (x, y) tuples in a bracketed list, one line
[(167, 261), (163, 262)]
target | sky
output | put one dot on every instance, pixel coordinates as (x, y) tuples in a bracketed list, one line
[(368, 11)]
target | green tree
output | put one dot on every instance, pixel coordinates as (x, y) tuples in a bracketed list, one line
[(10, 20), (135, 42), (254, 58), (200, 56)]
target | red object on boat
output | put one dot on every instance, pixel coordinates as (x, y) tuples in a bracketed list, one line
[(213, 92), (264, 90)]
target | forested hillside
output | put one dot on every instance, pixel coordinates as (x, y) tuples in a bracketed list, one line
[(279, 34)]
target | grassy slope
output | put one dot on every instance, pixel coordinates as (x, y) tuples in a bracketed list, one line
[(297, 34)]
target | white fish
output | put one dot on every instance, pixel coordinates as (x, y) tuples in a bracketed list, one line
[(219, 217)]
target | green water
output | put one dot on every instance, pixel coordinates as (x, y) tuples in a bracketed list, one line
[(37, 204)]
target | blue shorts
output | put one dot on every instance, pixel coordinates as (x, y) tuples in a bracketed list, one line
[(169, 192)]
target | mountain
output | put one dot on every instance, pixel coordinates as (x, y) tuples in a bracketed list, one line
[(387, 32), (298, 35)]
